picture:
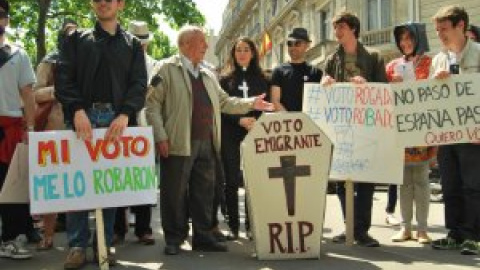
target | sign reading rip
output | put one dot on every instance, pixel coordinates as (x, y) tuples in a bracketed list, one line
[(295, 162), (289, 171)]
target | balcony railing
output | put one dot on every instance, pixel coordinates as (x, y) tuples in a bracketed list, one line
[(378, 37)]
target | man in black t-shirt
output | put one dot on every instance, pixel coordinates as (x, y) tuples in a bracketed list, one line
[(288, 78)]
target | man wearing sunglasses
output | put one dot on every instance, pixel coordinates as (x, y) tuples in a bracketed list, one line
[(17, 109), (352, 62), (101, 82), (288, 78)]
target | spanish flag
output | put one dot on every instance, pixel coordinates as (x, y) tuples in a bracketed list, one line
[(266, 45)]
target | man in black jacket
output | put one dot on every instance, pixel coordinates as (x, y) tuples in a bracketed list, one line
[(101, 82)]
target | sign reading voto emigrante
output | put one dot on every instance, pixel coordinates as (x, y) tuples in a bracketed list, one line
[(68, 174)]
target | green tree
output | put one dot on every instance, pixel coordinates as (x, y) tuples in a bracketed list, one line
[(35, 22)]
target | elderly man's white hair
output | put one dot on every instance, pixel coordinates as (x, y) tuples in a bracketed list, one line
[(186, 32)]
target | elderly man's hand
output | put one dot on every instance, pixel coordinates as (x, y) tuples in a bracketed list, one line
[(260, 104), (162, 148)]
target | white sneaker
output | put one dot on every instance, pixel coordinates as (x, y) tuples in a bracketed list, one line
[(14, 250), (131, 219), (392, 220)]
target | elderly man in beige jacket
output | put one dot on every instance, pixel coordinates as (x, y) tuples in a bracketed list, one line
[(184, 109)]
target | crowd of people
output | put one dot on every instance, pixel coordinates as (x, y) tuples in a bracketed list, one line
[(103, 77)]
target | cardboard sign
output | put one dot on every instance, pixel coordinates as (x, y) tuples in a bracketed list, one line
[(360, 121), (435, 112), (68, 174), (286, 162), (15, 187)]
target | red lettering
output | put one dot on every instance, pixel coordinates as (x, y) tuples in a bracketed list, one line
[(145, 146), (94, 150), (47, 148)]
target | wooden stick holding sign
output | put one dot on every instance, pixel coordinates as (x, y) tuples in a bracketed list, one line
[(101, 245), (349, 212)]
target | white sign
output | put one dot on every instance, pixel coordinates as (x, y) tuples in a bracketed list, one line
[(360, 121), (68, 174), (286, 161), (435, 112)]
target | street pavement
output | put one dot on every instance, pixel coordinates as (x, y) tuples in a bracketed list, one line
[(391, 256)]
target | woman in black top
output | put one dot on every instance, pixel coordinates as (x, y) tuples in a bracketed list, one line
[(244, 78)]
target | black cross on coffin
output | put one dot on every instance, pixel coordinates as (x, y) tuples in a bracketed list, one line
[(289, 172)]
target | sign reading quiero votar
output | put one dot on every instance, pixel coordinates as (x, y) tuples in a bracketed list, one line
[(68, 174), (286, 162)]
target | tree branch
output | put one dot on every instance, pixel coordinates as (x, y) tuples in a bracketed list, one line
[(65, 13)]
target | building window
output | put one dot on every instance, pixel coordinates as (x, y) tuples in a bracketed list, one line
[(413, 10), (378, 14), (274, 7), (325, 23)]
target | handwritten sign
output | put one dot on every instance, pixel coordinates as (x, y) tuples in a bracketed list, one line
[(435, 112), (286, 190), (360, 120), (69, 174)]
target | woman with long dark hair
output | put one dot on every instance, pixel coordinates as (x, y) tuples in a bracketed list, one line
[(243, 78)]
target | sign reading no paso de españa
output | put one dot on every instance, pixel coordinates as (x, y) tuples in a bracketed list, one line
[(286, 162), (433, 112), (68, 174), (360, 120)]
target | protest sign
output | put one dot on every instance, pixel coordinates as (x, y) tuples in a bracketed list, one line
[(360, 120), (15, 187), (436, 112), (68, 174), (286, 162)]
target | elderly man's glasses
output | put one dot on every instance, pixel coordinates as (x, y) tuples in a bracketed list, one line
[(98, 1)]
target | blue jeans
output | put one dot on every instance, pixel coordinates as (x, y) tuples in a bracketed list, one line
[(78, 230)]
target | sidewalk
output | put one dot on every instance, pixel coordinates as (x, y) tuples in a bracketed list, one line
[(390, 256)]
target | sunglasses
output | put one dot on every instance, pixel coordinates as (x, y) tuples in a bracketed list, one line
[(3, 15), (295, 43), (98, 1)]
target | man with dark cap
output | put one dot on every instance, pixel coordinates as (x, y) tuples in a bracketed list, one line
[(288, 78), (17, 110)]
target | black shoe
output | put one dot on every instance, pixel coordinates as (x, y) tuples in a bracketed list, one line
[(219, 236), (367, 241), (33, 237), (171, 250), (210, 247), (340, 239), (232, 236)]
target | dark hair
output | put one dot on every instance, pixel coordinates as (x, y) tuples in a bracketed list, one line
[(253, 66), (476, 32), (452, 13), (350, 19)]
